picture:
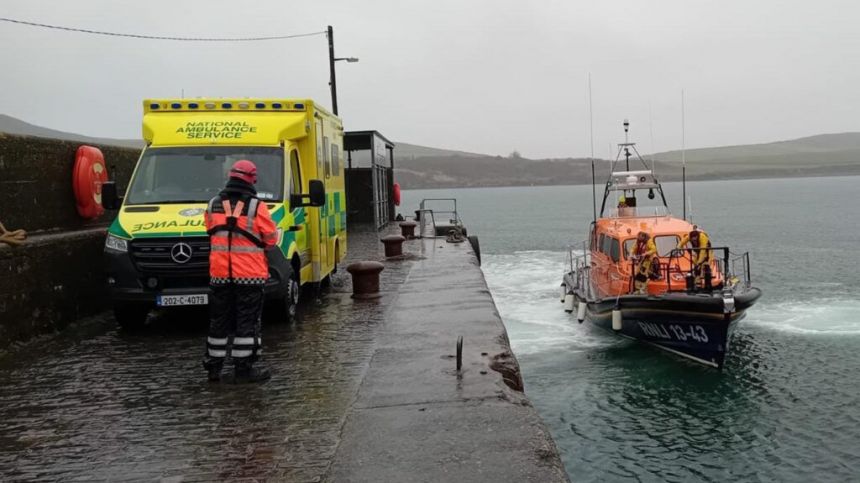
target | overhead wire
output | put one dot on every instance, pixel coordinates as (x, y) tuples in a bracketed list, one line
[(160, 37)]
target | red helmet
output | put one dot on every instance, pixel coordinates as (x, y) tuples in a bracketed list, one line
[(244, 170)]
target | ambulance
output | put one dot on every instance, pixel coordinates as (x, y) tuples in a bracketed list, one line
[(157, 250)]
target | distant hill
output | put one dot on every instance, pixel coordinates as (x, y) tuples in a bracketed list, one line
[(11, 125), (407, 151), (821, 155), (426, 167)]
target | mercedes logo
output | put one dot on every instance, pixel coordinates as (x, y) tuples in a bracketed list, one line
[(181, 253)]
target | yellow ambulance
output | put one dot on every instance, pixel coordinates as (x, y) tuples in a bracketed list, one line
[(157, 250)]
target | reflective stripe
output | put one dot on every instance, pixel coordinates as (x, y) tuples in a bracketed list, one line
[(217, 352), (211, 205), (243, 340), (221, 233), (241, 353), (234, 249), (214, 341), (252, 212)]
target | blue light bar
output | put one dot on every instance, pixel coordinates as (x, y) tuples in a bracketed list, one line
[(176, 105), (154, 106), (299, 106), (226, 105), (277, 105), (260, 105), (193, 105)]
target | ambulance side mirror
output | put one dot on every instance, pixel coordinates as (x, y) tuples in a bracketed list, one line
[(110, 199), (317, 189), (316, 197)]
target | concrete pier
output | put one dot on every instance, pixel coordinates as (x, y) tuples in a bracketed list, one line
[(362, 390)]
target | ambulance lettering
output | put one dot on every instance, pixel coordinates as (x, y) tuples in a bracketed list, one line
[(216, 129), (155, 225)]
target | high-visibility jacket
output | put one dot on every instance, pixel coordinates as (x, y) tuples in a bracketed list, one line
[(646, 249), (239, 233), (702, 241)]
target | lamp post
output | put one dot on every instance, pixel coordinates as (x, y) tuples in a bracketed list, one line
[(331, 60)]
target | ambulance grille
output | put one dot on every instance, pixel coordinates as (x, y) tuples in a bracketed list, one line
[(153, 256)]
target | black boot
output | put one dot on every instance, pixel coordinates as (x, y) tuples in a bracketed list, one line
[(213, 369), (246, 373)]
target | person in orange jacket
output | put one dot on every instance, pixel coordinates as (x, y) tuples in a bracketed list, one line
[(240, 231)]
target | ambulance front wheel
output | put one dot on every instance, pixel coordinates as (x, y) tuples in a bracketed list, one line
[(130, 316), (289, 303)]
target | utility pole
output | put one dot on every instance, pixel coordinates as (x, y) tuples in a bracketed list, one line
[(332, 81)]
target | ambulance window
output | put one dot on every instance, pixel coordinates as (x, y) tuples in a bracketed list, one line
[(614, 249), (295, 174), (327, 153), (335, 159)]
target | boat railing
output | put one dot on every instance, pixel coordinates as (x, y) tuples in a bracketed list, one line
[(579, 262), (638, 212), (728, 270)]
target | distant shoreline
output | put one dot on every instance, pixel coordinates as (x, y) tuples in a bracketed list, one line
[(601, 180)]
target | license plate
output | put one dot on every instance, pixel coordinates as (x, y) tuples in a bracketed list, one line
[(173, 300)]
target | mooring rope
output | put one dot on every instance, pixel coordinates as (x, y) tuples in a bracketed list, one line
[(12, 238)]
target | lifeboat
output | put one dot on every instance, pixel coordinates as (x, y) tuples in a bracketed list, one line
[(647, 275)]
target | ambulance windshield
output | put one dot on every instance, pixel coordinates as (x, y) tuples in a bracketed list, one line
[(197, 174)]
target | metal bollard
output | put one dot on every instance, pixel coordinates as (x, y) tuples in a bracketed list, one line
[(365, 279), (407, 229), (393, 245)]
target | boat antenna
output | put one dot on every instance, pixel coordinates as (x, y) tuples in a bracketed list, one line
[(591, 136), (683, 157), (651, 128), (626, 142)]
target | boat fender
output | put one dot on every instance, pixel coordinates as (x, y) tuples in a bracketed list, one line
[(563, 291), (568, 303), (728, 302), (580, 312), (616, 320)]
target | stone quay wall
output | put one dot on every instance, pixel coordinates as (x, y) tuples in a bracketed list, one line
[(57, 276)]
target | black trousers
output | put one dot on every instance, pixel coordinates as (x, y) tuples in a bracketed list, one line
[(234, 310)]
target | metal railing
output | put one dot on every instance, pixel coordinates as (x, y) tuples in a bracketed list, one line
[(721, 267), (452, 213), (637, 211), (723, 270)]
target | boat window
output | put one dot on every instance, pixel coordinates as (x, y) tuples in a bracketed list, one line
[(614, 249), (602, 243), (665, 244), (628, 247)]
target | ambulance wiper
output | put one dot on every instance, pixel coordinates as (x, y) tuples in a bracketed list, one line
[(176, 202)]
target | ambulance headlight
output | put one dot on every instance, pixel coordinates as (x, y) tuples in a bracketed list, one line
[(116, 244)]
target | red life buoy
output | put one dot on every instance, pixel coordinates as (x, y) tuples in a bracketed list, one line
[(396, 194), (87, 177)]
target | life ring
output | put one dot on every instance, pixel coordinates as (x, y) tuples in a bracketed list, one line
[(88, 175), (396, 194)]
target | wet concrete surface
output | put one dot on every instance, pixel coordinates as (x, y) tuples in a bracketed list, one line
[(99, 404)]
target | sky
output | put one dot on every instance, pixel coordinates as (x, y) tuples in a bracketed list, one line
[(485, 76)]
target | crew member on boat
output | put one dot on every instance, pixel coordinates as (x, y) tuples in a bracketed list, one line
[(701, 253), (645, 254)]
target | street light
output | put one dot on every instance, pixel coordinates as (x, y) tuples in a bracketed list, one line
[(331, 60)]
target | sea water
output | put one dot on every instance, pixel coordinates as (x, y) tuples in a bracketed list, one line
[(787, 405)]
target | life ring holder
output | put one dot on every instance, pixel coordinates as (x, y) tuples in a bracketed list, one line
[(88, 175)]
